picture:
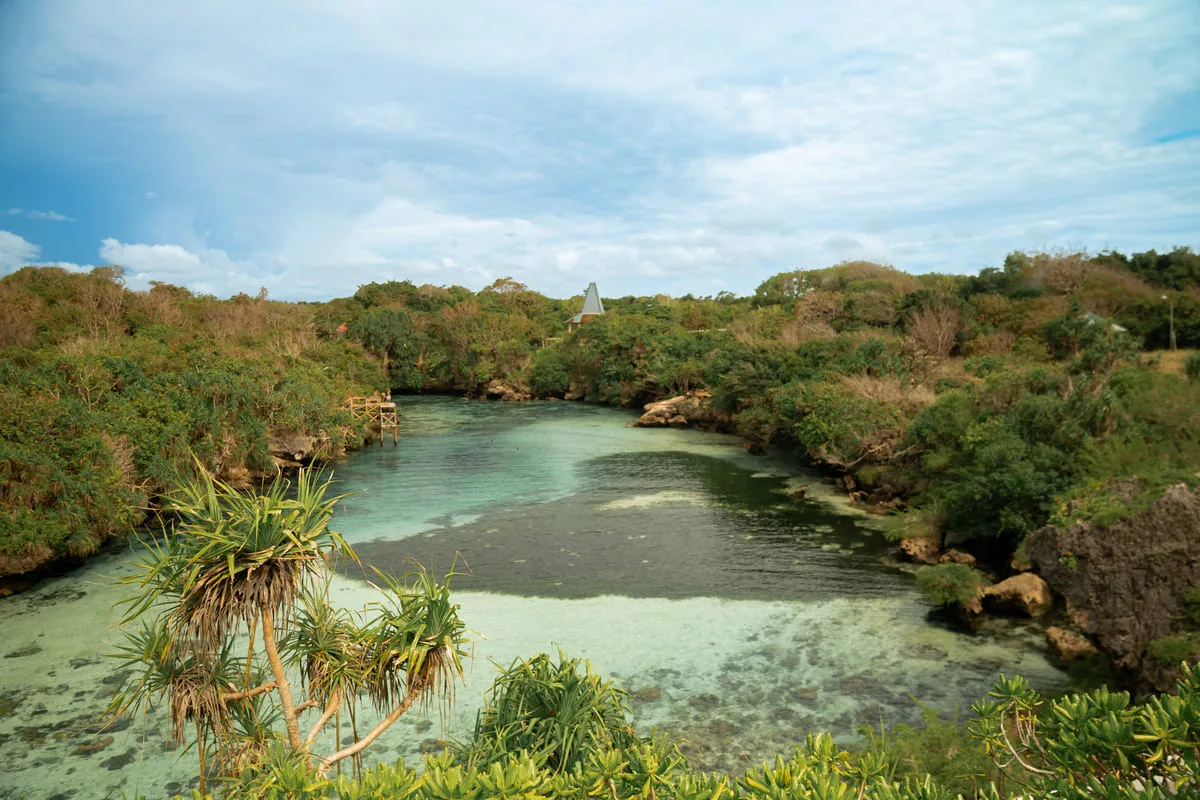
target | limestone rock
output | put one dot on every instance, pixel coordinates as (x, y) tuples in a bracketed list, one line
[(29, 559), (953, 556), (691, 409), (1068, 645), (506, 392), (1124, 583), (1021, 594), (292, 446), (921, 549)]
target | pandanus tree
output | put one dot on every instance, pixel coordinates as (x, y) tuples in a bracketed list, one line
[(231, 610)]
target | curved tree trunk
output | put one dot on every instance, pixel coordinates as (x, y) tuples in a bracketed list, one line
[(281, 683), (362, 743)]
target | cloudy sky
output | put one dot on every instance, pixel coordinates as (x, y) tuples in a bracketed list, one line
[(650, 145)]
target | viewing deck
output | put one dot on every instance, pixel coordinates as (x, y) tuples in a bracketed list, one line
[(379, 411)]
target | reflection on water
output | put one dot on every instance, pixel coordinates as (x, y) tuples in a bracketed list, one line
[(672, 559)]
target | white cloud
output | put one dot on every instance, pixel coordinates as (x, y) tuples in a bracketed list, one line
[(49, 216), (655, 147), (208, 271), (15, 252)]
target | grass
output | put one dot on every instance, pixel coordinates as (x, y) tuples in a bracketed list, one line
[(1170, 362)]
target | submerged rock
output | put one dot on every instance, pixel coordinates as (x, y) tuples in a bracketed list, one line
[(93, 747), (805, 694), (1021, 594), (704, 702)]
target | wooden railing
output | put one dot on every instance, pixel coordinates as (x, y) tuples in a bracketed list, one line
[(379, 412)]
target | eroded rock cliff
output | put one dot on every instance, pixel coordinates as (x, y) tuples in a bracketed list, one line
[(1124, 583)]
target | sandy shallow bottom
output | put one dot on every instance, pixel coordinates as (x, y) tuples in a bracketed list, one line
[(740, 680), (672, 560)]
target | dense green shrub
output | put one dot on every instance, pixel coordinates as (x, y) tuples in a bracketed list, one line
[(1191, 367), (950, 584), (548, 376), (554, 712)]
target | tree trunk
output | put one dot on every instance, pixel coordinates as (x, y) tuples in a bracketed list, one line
[(362, 743), (281, 683)]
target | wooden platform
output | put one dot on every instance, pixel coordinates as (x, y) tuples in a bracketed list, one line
[(380, 413)]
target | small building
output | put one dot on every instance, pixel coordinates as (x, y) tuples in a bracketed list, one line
[(592, 307), (1096, 319)]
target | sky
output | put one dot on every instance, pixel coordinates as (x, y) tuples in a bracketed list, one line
[(653, 147)]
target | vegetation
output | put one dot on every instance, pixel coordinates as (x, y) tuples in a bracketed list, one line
[(107, 394), (951, 584), (995, 399), (253, 566), (1018, 743), (554, 713)]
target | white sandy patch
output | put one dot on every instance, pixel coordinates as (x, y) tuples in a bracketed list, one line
[(656, 499)]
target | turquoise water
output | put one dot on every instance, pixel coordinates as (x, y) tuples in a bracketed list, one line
[(673, 560)]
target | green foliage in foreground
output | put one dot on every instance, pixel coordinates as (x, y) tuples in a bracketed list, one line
[(1096, 744), (556, 712), (246, 568)]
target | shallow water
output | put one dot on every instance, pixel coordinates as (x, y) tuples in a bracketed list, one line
[(671, 559)]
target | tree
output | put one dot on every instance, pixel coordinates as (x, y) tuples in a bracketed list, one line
[(254, 565), (383, 330)]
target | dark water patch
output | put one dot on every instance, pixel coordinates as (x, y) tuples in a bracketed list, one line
[(668, 525)]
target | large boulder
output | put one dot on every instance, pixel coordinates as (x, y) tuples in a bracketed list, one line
[(1069, 646), (505, 391), (292, 446), (693, 409), (1025, 594), (922, 549), (1124, 583)]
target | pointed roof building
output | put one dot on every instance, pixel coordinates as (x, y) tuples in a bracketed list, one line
[(592, 307)]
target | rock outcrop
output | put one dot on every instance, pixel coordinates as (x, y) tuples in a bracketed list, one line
[(292, 446), (953, 556), (506, 392), (1069, 646), (1124, 583), (693, 409), (1024, 594), (922, 549)]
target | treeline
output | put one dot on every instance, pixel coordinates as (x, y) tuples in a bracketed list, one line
[(106, 395), (984, 404), (988, 403)]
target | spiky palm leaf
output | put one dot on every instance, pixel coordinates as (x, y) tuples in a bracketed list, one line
[(416, 644), (191, 681), (235, 557)]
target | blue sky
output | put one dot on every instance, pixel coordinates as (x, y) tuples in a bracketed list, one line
[(650, 146)]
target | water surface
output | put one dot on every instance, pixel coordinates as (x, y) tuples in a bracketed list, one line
[(676, 562)]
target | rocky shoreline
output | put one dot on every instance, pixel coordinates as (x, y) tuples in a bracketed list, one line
[(1114, 590)]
